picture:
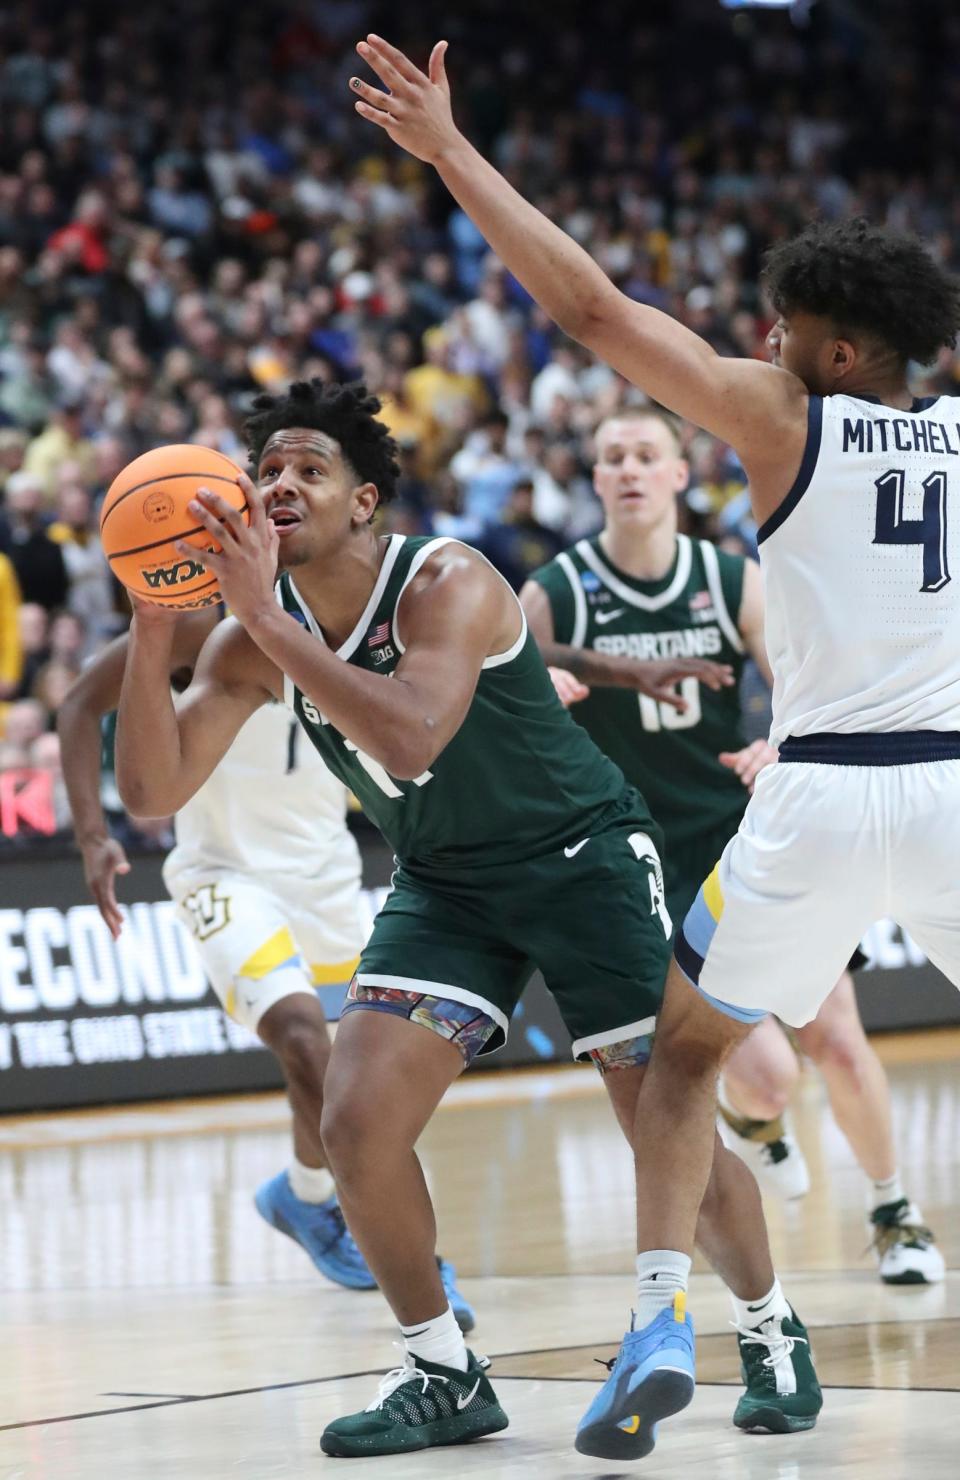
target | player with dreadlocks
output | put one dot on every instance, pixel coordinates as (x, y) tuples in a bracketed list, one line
[(519, 845)]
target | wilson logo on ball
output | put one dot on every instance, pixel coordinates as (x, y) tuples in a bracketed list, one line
[(172, 575), (157, 507)]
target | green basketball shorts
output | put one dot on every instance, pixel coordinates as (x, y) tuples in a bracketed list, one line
[(591, 917)]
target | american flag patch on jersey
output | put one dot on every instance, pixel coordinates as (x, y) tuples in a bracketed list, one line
[(700, 599), (379, 635)]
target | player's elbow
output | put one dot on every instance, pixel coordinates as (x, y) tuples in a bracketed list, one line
[(143, 792), (596, 317), (409, 759)]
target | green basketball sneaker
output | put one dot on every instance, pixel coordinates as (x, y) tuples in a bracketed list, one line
[(776, 1364), (419, 1406)]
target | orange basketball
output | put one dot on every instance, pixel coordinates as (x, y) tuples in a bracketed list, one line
[(145, 512)]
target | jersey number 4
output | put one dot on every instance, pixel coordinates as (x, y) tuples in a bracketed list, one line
[(930, 530)]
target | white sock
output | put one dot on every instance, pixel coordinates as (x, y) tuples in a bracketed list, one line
[(660, 1274), (440, 1341), (753, 1313), (889, 1191), (311, 1184)]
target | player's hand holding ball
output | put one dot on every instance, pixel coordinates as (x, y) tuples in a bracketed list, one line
[(184, 528), (244, 559), (155, 544)]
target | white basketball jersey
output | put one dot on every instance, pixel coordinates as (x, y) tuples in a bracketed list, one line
[(861, 568), (270, 806)]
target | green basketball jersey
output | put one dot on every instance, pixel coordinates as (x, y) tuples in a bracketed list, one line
[(691, 613), (517, 780)]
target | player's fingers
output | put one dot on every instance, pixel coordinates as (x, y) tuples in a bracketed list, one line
[(664, 694), (392, 57), (715, 675), (371, 95), (209, 559), (215, 504), (253, 497), (437, 70), (384, 68), (375, 115), (105, 900)]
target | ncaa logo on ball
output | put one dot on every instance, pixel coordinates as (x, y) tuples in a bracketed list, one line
[(158, 506)]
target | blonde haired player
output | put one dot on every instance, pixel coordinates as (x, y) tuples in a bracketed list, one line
[(266, 877)]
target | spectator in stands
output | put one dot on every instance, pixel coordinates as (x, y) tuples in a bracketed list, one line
[(24, 722), (38, 562), (34, 625), (11, 645), (517, 542), (62, 440), (485, 470), (91, 587)]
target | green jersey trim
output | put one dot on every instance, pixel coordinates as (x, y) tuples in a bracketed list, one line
[(728, 626), (420, 559), (626, 593), (439, 989), (348, 647), (580, 617)]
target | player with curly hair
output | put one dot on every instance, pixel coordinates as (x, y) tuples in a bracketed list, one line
[(850, 479), (410, 667)]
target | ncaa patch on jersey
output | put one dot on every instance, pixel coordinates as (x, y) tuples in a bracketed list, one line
[(589, 581)]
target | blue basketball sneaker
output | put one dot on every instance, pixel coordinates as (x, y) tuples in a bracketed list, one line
[(651, 1378), (317, 1227), (463, 1312)]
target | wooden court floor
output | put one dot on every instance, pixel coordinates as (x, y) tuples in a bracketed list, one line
[(156, 1329)]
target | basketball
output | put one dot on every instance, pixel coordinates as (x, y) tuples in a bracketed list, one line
[(145, 513)]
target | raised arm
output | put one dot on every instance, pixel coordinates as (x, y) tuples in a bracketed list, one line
[(95, 693), (656, 677), (759, 409)]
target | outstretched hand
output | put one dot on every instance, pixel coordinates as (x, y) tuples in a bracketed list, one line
[(415, 109), (658, 677), (568, 687), (750, 761)]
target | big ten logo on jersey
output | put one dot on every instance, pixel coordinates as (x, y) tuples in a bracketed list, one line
[(596, 593), (378, 641), (208, 910)]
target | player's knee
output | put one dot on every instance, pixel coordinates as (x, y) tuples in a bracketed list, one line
[(351, 1132), (759, 1094), (833, 1048), (691, 1056), (303, 1046)]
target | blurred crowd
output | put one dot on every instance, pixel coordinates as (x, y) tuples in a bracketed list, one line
[(191, 211)]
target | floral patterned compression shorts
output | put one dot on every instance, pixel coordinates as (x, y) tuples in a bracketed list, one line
[(470, 1029)]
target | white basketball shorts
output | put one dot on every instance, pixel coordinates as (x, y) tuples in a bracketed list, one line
[(262, 940), (827, 846)]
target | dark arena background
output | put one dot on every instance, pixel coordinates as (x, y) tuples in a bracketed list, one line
[(191, 214)]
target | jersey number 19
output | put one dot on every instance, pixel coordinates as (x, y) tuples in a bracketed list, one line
[(656, 715)]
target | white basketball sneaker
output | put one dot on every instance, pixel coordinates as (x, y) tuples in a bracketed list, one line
[(905, 1247), (770, 1151)]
